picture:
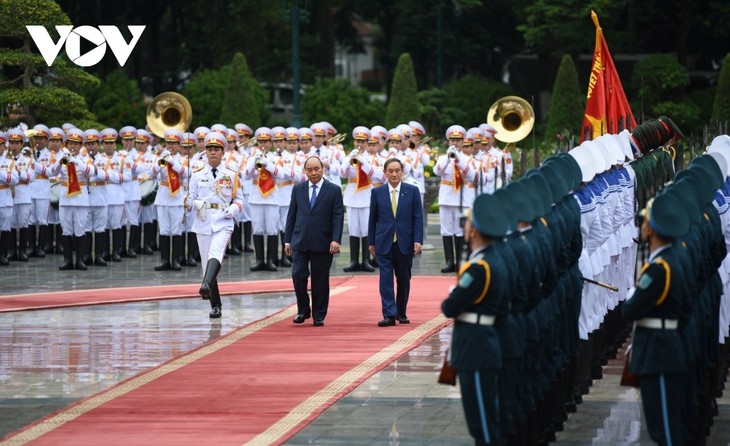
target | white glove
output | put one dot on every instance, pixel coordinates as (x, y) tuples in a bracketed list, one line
[(450, 150), (271, 167), (365, 166), (79, 163), (354, 153), (232, 211), (187, 204)]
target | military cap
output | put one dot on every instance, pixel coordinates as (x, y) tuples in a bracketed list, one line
[(558, 188), (509, 205), (455, 132), (573, 168), (520, 199), (306, 133), (542, 187), (671, 126), (405, 129), (41, 130), (667, 216), (395, 135), (614, 150), (128, 132), (709, 164), (318, 129), (594, 150), (488, 129), (75, 135), (624, 142), (15, 134), (57, 133), (264, 134), (469, 139), (585, 163), (201, 132), (109, 134), (538, 206), (143, 136), (92, 135), (279, 132), (564, 171), (220, 128), (691, 192), (379, 132), (3, 138), (173, 135), (489, 216), (476, 134), (215, 139), (329, 128), (721, 158), (361, 132), (417, 128), (243, 129), (697, 176), (68, 126), (188, 139), (292, 134)]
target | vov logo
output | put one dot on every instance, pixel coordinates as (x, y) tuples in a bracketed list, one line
[(105, 34)]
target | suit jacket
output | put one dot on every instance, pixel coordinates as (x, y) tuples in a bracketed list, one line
[(407, 223), (314, 229)]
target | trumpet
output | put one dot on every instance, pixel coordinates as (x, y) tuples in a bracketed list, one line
[(66, 155), (451, 152), (353, 158), (161, 161), (259, 164)]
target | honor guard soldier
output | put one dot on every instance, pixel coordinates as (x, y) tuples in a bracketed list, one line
[(98, 202), (397, 149), (148, 187), (200, 134), (75, 170), (40, 192), (325, 153), (216, 199), (467, 148), (8, 180), (246, 150), (421, 155), (233, 159), (21, 196), (132, 195), (292, 168), (115, 176), (55, 143), (360, 174), (455, 171), (487, 165), (475, 305), (190, 163), (264, 172), (502, 158), (381, 133)]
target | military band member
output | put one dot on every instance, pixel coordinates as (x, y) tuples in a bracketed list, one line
[(246, 150), (502, 158), (292, 164), (40, 192), (475, 305), (264, 172), (75, 170), (21, 197), (455, 171), (421, 155), (98, 203), (328, 155), (216, 198), (132, 195), (147, 212), (8, 180), (55, 143), (487, 164), (191, 163), (360, 173), (115, 176)]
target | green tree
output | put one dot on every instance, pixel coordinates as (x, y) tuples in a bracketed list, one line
[(721, 107), (567, 102), (118, 101), (206, 91), (38, 92), (403, 103), (341, 104), (469, 98), (245, 98)]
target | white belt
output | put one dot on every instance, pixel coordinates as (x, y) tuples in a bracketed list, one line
[(656, 323), (476, 318)]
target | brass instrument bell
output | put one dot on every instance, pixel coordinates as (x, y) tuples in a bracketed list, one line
[(512, 117), (167, 111)]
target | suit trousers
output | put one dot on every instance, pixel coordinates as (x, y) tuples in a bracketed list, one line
[(398, 264), (479, 396), (320, 271)]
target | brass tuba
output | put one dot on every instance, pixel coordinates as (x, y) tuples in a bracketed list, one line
[(167, 111), (513, 118)]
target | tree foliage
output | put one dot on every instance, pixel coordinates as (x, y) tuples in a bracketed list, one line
[(118, 101), (342, 105), (469, 98), (245, 99), (721, 107), (566, 103), (403, 102), (206, 91)]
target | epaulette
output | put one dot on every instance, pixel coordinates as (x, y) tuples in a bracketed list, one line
[(199, 168)]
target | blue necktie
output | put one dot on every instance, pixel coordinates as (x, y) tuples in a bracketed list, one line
[(314, 196), (213, 171)]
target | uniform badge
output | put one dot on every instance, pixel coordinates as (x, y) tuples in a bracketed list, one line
[(465, 280), (645, 281)]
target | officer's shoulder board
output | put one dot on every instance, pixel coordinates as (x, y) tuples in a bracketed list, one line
[(646, 279), (199, 169)]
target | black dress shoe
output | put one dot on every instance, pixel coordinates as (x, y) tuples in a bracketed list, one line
[(387, 322), (318, 322), (402, 320), (301, 318), (215, 313)]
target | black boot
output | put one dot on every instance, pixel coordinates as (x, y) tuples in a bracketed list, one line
[(12, 246), (45, 241), (101, 247), (366, 266), (258, 244), (247, 225), (105, 253), (459, 247), (235, 241), (153, 236), (68, 259), (30, 249), (135, 237), (354, 256), (149, 235), (117, 244), (4, 237), (285, 261), (124, 252), (81, 250), (23, 245), (192, 249), (450, 267), (164, 254), (178, 245), (59, 238), (238, 236), (272, 249), (211, 273), (86, 258)]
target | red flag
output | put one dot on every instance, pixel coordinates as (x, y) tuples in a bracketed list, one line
[(458, 179), (363, 180), (173, 180), (607, 109), (266, 183), (74, 187)]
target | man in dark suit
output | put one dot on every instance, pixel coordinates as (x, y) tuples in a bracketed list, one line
[(395, 235), (312, 236)]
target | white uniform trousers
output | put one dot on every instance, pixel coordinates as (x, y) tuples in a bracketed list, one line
[(98, 216), (39, 211), (53, 217), (131, 212), (283, 212), (73, 219), (189, 219), (449, 219), (213, 246), (265, 219), (21, 215), (115, 216), (148, 214), (246, 212), (6, 218), (357, 221), (169, 219)]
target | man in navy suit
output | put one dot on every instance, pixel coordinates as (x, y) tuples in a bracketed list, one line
[(312, 236), (395, 235)]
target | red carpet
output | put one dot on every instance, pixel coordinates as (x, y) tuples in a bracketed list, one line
[(258, 385), (18, 302)]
